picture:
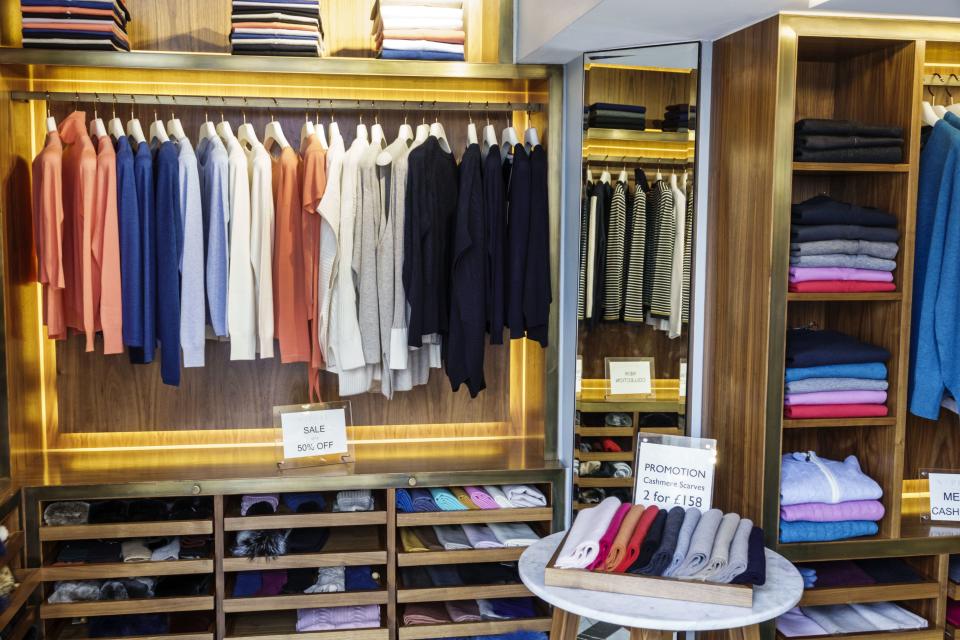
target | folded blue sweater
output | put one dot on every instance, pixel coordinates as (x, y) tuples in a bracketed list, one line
[(866, 371), (803, 531), (805, 477)]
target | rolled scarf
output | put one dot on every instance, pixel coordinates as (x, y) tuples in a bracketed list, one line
[(354, 500), (618, 549), (636, 538), (411, 541), (622, 470), (481, 537), (583, 541), (444, 575), (663, 556), (700, 544), (423, 501), (58, 514), (463, 497), (445, 500), (739, 553), (424, 613), (606, 541), (404, 501), (273, 581), (524, 495), (247, 584), (248, 501), (499, 496), (514, 534), (756, 571), (690, 519), (429, 538), (452, 537), (481, 498), (304, 502), (329, 580), (169, 551), (360, 579), (720, 553), (651, 543), (463, 610)]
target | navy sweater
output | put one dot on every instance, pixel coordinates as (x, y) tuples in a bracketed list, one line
[(168, 245), (131, 260), (143, 175), (518, 230)]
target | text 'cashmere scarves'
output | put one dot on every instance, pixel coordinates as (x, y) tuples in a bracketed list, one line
[(701, 544), (607, 540), (583, 541), (650, 543), (618, 549), (636, 538), (690, 519), (663, 556)]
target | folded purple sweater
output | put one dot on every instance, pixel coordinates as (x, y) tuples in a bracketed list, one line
[(835, 397), (805, 274), (822, 512)]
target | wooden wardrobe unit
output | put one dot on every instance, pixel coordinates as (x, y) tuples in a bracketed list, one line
[(765, 78)]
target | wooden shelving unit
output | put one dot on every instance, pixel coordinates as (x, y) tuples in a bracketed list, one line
[(20, 612), (425, 558), (126, 530), (50, 611), (460, 629)]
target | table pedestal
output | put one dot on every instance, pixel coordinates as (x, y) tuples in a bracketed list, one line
[(565, 626)]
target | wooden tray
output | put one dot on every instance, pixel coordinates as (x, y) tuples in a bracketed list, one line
[(651, 586)]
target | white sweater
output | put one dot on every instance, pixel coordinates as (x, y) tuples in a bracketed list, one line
[(261, 242), (241, 302)]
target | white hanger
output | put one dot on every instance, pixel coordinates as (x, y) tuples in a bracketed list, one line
[(362, 133), (589, 174), (404, 138), (423, 132), (437, 131), (605, 177), (273, 132), (208, 131), (471, 129), (307, 129), (96, 128), (115, 127), (673, 179), (940, 110), (134, 130), (175, 127), (157, 131), (334, 130), (489, 137), (623, 176), (377, 136), (659, 175), (530, 136), (51, 121)]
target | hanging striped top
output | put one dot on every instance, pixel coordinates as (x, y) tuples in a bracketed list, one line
[(633, 280), (613, 277), (663, 245)]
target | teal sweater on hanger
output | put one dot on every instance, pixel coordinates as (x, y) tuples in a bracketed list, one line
[(935, 343)]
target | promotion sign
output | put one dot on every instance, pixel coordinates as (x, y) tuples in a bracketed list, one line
[(944, 496), (313, 433), (674, 471)]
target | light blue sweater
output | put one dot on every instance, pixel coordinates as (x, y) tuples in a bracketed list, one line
[(214, 168), (192, 324), (934, 362)]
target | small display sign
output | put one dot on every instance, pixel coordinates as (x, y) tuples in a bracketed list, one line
[(944, 496), (313, 434), (675, 471), (630, 377)]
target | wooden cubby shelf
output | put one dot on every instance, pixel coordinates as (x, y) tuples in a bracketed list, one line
[(127, 530), (20, 596), (871, 593), (601, 432), (849, 167), (301, 520), (96, 571), (282, 625), (953, 590), (306, 560), (603, 482), (475, 516), (838, 423), (79, 632), (123, 607), (460, 629), (425, 558), (471, 592), (932, 633), (304, 601), (606, 456)]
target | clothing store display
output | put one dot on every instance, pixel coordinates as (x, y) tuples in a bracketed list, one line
[(481, 498), (863, 618), (271, 500), (803, 531), (481, 537), (651, 542), (663, 555), (845, 141), (606, 541), (618, 548), (338, 618), (756, 571), (691, 518), (423, 501), (425, 30), (63, 24), (452, 537), (270, 28), (701, 544), (720, 552), (354, 500), (66, 513)]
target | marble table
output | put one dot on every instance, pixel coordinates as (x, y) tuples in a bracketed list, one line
[(657, 618)]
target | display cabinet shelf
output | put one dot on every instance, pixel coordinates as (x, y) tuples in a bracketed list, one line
[(124, 607), (849, 167), (300, 520), (471, 592), (869, 296), (603, 482), (282, 625), (127, 530), (425, 558), (475, 516), (461, 629), (871, 593), (606, 456), (838, 422), (304, 601), (96, 571)]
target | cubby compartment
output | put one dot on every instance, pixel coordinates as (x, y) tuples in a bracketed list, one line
[(194, 625), (539, 622), (873, 446), (281, 625)]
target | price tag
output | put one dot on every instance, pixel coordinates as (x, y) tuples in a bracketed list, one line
[(673, 471), (945, 496), (579, 374), (314, 433), (630, 377), (683, 379)]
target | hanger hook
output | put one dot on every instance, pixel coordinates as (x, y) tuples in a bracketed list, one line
[(113, 107), (133, 103), (422, 114), (48, 104), (933, 95), (404, 112), (506, 114), (469, 113), (487, 110)]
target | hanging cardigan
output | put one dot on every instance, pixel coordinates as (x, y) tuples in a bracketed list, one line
[(663, 244), (635, 269), (613, 278), (537, 294), (687, 254)]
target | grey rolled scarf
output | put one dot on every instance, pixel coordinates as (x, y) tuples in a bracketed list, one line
[(739, 556), (700, 544), (58, 514), (720, 554), (690, 520), (663, 556)]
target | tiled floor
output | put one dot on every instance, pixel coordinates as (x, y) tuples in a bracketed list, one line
[(593, 630)]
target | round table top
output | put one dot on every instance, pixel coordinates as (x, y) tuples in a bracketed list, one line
[(782, 592)]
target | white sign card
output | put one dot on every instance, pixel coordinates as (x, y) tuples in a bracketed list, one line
[(579, 387), (630, 376), (683, 379), (945, 496), (313, 431), (675, 471)]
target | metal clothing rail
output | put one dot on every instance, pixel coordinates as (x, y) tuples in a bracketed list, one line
[(215, 102), (941, 80)]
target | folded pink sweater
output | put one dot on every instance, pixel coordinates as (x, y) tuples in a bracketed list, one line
[(821, 512), (835, 397), (802, 274)]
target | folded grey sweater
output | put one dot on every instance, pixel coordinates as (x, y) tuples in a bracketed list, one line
[(887, 250), (812, 385), (844, 260)]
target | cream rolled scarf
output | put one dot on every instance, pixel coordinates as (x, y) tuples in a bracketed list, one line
[(739, 558), (583, 542), (690, 520), (701, 544), (524, 495), (498, 496), (134, 551), (720, 554), (514, 534)]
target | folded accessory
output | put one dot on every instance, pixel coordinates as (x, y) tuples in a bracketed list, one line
[(299, 580), (404, 501), (481, 537), (58, 514), (814, 411), (169, 551), (429, 538), (425, 613), (463, 497), (66, 590), (618, 420), (134, 551), (524, 495), (885, 250), (866, 371), (622, 470), (840, 286), (499, 496), (583, 541), (756, 571), (271, 499), (738, 556), (423, 501), (410, 541), (813, 385), (329, 580), (365, 616), (360, 579), (514, 534), (663, 556), (803, 274), (452, 537), (701, 544), (795, 623), (618, 549), (691, 518), (246, 584), (463, 610), (481, 498), (307, 540), (606, 540), (444, 575), (445, 500), (354, 500), (823, 512), (308, 502), (806, 477), (639, 534), (835, 397)]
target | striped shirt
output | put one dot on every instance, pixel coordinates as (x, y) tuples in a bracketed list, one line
[(664, 239), (584, 235), (633, 280), (687, 254), (613, 274)]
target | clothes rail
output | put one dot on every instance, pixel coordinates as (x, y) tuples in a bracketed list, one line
[(214, 102), (940, 80)]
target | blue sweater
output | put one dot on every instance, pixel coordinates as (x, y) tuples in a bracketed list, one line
[(143, 175), (933, 344), (169, 243), (131, 262)]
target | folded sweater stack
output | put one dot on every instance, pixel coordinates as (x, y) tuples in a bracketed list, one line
[(495, 535), (91, 25), (418, 29), (679, 117), (841, 247), (606, 115), (622, 538), (823, 500), (819, 140), (270, 28), (848, 618), (832, 375)]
